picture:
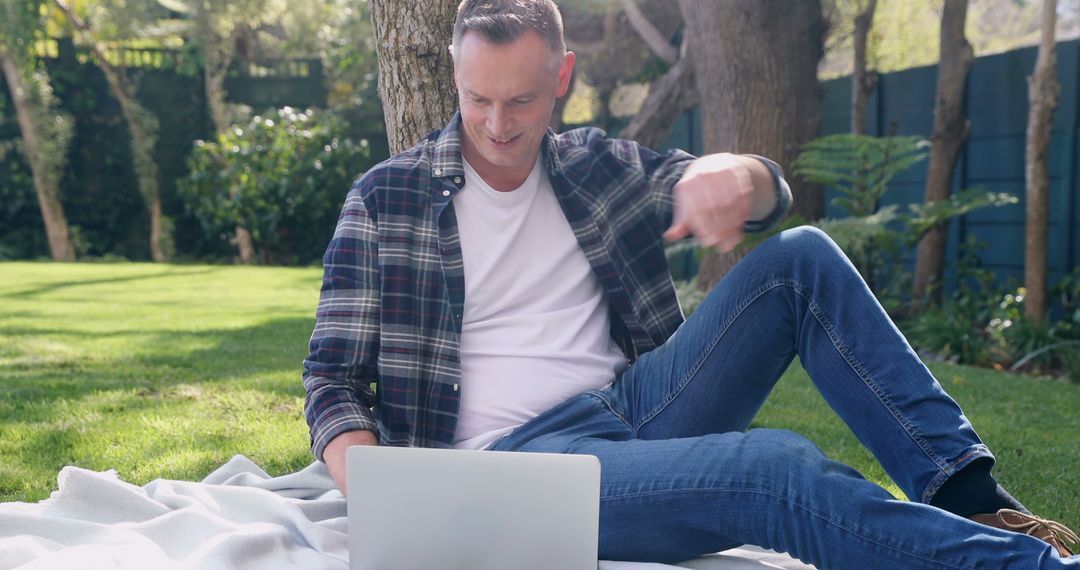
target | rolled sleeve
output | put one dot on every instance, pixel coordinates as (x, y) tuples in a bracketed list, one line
[(341, 368)]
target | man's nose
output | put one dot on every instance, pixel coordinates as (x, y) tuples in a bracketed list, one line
[(498, 119)]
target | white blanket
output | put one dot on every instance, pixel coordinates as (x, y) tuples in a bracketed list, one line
[(238, 517)]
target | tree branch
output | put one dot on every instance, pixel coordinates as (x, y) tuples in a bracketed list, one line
[(669, 96), (648, 32)]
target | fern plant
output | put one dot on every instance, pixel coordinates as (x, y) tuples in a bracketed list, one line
[(860, 168)]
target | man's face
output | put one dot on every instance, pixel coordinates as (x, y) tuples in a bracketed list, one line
[(506, 94)]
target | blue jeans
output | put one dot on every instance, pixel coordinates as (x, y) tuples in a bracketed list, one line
[(680, 476)]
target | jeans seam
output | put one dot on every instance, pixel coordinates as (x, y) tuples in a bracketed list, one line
[(612, 409), (813, 512), (693, 370), (864, 375)]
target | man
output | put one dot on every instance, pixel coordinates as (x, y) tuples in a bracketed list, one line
[(506, 289)]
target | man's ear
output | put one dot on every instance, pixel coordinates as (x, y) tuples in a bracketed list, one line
[(566, 71), (453, 64)]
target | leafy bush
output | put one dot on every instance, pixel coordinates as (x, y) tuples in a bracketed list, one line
[(983, 324), (957, 328), (283, 177)]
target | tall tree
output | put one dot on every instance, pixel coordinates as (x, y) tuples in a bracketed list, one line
[(218, 27), (1043, 90), (755, 63), (416, 74), (950, 132), (862, 82), (45, 131), (142, 125)]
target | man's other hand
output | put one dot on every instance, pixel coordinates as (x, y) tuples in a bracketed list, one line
[(334, 454), (717, 194)]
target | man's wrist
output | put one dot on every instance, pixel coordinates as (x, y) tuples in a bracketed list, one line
[(765, 195), (350, 438)]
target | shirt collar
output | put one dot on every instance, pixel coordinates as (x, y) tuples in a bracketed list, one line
[(446, 157)]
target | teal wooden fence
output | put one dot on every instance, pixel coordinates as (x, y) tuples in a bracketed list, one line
[(996, 103)]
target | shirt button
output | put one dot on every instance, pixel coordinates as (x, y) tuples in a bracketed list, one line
[(445, 192), (457, 180), (438, 172), (455, 387)]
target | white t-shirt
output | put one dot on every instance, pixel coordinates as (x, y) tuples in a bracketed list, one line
[(535, 330)]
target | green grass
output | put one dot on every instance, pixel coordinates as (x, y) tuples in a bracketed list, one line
[(155, 371), (167, 371)]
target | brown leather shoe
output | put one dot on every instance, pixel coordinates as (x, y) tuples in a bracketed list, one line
[(1052, 532)]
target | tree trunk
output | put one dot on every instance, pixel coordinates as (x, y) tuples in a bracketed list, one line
[(416, 74), (46, 183), (950, 131), (143, 127), (1043, 90), (214, 76), (218, 54), (862, 83), (755, 63)]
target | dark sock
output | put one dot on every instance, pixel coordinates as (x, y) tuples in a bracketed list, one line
[(973, 491)]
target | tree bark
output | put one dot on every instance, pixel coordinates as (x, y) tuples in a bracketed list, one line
[(862, 82), (416, 74), (950, 131), (755, 63), (143, 127), (46, 184), (1043, 90)]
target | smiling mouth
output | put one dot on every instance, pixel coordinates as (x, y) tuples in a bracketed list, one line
[(502, 142)]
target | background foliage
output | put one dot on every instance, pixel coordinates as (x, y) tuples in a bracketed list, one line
[(287, 172)]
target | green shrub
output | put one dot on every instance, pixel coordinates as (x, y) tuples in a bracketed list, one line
[(283, 176), (983, 323)]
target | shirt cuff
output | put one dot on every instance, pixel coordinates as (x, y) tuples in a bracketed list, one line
[(341, 418), (783, 198)]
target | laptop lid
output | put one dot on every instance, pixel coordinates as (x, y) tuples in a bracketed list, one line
[(412, 508)]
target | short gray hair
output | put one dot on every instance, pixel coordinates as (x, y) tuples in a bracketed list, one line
[(503, 21)]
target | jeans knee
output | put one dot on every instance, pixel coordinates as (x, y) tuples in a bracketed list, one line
[(809, 240), (810, 247)]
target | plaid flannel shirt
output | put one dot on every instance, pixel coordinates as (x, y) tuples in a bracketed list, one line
[(390, 310)]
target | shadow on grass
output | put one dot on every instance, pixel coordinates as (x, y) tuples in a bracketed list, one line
[(274, 347), (52, 287)]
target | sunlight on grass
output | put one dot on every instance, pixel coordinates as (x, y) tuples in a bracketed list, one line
[(155, 371), (162, 371)]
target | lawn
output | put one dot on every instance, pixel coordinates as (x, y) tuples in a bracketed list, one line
[(169, 370)]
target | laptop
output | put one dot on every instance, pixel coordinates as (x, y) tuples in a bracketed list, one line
[(449, 509)]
